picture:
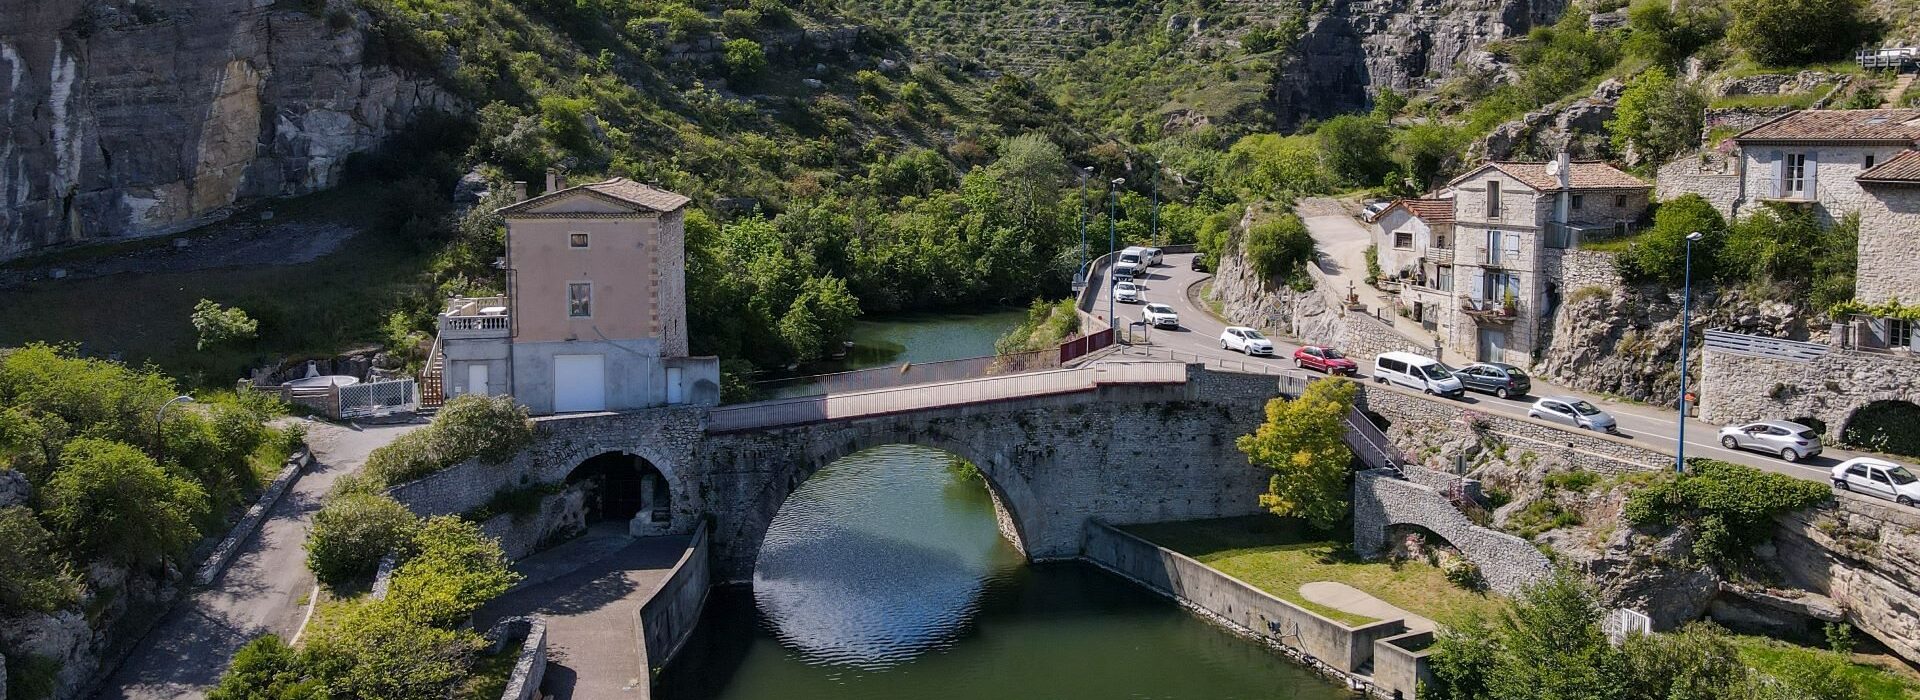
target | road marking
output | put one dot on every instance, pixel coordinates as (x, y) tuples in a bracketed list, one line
[(313, 601)]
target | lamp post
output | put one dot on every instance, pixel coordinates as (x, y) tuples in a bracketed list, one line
[(1113, 201), (1156, 202), (159, 421), (1085, 173), (1686, 329)]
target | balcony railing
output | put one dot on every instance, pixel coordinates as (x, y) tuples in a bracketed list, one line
[(482, 317), (1489, 310)]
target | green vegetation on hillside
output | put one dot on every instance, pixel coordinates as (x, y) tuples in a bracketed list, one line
[(1731, 507)]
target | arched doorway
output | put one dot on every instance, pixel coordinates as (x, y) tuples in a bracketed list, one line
[(1884, 426), (622, 487)]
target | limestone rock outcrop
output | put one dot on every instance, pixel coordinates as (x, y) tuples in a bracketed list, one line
[(1626, 342), (1865, 555), (1579, 127), (127, 118)]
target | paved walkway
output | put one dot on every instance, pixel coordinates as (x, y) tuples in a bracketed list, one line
[(263, 591), (1345, 598), (590, 591), (1343, 242)]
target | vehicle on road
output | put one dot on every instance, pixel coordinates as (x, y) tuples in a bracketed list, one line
[(1877, 477), (1417, 372), (1791, 441), (1160, 316), (1127, 292), (1153, 256), (1122, 272), (1575, 412), (1497, 378), (1134, 259), (1245, 340), (1324, 359), (1197, 265)]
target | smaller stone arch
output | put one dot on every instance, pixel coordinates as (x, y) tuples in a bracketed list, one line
[(623, 487), (681, 495), (1884, 424)]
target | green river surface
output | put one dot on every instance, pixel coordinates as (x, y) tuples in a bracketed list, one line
[(885, 576)]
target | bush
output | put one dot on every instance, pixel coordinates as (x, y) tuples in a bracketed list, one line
[(108, 500), (1657, 117), (1799, 32), (33, 574), (365, 650), (1785, 251), (1354, 148), (453, 571), (267, 669), (744, 58), (1464, 574), (1278, 247), (1303, 442), (491, 428), (1660, 253), (1730, 506), (1666, 33), (218, 325), (352, 533)]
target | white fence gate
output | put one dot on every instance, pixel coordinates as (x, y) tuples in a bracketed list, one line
[(1623, 622), (375, 398)]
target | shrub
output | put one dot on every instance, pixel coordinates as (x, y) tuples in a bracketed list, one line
[(267, 669), (1046, 325), (109, 500), (1354, 148), (33, 574), (1303, 442), (1660, 253), (352, 533), (1657, 117), (491, 428), (1576, 480), (363, 649), (1465, 574), (453, 571), (744, 58), (1731, 506), (1279, 246), (1799, 32), (219, 325)]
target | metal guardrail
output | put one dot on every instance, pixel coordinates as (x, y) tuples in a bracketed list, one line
[(1763, 346), (814, 409)]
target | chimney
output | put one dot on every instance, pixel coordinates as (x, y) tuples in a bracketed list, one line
[(1566, 170), (553, 180), (519, 190)]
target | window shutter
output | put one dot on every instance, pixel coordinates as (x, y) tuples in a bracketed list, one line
[(1774, 186), (1813, 170), (1513, 246), (1479, 282)]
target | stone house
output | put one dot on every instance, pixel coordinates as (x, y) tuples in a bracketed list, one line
[(595, 312), (1413, 242), (1512, 223), (1815, 157)]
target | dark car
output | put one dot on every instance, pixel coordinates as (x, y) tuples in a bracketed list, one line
[(1325, 359), (1197, 265), (1499, 379)]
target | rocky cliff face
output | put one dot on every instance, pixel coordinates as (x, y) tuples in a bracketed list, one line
[(128, 118), (1354, 48), (1865, 556), (1626, 342)]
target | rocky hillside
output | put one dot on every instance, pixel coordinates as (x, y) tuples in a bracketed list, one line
[(133, 118), (1626, 342)]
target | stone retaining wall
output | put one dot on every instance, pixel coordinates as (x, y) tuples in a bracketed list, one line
[(1579, 269), (1380, 501), (1600, 453), (1831, 388), (1714, 176), (223, 554), (1312, 639), (530, 663), (668, 618)]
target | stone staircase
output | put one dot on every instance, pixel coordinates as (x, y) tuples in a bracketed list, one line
[(1899, 87)]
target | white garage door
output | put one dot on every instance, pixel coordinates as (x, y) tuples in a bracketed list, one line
[(579, 383)]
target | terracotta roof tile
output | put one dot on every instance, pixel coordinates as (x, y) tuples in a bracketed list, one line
[(1839, 125), (1901, 168), (1586, 175), (644, 195), (1430, 210)]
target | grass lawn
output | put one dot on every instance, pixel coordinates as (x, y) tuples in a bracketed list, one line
[(316, 308), (1278, 555), (1776, 657)]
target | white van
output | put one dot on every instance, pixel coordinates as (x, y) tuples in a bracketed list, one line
[(1136, 259), (1417, 372)]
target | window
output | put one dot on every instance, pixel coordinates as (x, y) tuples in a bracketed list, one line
[(1493, 247), (1403, 239), (1493, 199), (576, 239), (1868, 163), (1899, 333), (1793, 176), (1579, 202), (1620, 201), (580, 299), (1441, 239), (1443, 278)]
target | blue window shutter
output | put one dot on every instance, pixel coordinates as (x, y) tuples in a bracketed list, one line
[(1813, 170), (1774, 185)]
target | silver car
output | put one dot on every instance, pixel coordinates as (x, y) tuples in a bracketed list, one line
[(1791, 441), (1572, 411)]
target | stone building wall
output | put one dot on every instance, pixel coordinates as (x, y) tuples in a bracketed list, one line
[(1574, 269), (1713, 175), (1832, 171), (1864, 554), (1889, 236), (1412, 414), (1380, 501), (1830, 388)]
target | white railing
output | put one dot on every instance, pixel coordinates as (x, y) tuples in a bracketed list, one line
[(471, 306), (374, 398), (474, 323), (1763, 346), (1625, 622), (813, 409)]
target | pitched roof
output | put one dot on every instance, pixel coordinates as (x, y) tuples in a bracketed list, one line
[(1585, 175), (1903, 168), (1430, 210), (1839, 125), (620, 190)]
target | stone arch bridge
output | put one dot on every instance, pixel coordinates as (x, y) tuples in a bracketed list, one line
[(1125, 443)]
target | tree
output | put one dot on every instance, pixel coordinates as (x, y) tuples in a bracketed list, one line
[(1549, 646), (33, 574), (819, 318), (1278, 246), (218, 325), (454, 570), (1659, 254), (267, 669), (109, 500), (1776, 246), (1388, 104), (1030, 171), (1304, 442), (1423, 150), (352, 532), (744, 58), (1354, 148), (1657, 117), (1267, 165), (1799, 32), (1666, 33)]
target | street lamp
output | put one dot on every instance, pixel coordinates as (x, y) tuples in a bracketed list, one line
[(1113, 201), (159, 418), (1085, 173), (1686, 327), (1156, 201)]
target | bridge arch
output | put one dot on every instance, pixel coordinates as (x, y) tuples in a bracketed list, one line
[(1012, 496), (1883, 423), (624, 469)]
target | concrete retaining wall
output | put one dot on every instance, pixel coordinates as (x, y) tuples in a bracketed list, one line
[(1508, 563), (1401, 664), (1600, 453), (668, 618), (1320, 641)]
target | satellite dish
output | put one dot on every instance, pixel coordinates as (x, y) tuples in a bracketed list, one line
[(1553, 167)]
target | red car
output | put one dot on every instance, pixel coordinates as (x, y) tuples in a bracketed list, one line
[(1324, 359)]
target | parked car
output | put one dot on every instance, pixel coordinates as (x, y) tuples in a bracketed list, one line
[(1792, 441), (1573, 411), (1245, 340), (1127, 292), (1497, 378), (1152, 256), (1417, 372), (1197, 265), (1877, 477), (1324, 359), (1160, 316)]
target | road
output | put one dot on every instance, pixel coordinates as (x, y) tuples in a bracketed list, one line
[(1199, 334), (265, 590)]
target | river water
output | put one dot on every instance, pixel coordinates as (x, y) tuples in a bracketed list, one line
[(884, 576)]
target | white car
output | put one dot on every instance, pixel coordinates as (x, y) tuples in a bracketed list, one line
[(1127, 292), (1161, 316), (1245, 340), (1877, 477), (1153, 256)]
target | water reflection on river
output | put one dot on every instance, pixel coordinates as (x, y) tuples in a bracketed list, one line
[(884, 576)]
